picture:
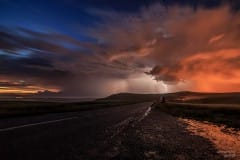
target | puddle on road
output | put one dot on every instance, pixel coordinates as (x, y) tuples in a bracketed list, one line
[(226, 140)]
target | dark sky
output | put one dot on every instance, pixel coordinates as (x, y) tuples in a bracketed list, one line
[(67, 16), (99, 47)]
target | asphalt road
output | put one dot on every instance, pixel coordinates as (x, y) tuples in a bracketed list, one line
[(76, 135), (120, 133)]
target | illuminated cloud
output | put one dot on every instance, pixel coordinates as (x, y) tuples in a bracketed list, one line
[(216, 71), (198, 47)]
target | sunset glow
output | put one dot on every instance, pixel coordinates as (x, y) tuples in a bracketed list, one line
[(26, 90)]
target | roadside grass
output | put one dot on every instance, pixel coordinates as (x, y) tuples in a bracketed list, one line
[(25, 108), (227, 114)]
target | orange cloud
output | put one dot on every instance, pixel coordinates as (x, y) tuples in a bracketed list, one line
[(217, 71)]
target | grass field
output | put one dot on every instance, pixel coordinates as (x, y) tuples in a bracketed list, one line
[(24, 108), (220, 108), (227, 114)]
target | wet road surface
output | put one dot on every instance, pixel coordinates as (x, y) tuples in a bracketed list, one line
[(125, 132), (63, 136)]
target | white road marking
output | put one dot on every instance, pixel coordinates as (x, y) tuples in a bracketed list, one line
[(146, 113), (119, 127), (35, 124)]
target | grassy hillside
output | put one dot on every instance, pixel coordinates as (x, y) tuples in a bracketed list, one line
[(130, 97), (183, 97)]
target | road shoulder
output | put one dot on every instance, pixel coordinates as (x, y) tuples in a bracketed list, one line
[(160, 136)]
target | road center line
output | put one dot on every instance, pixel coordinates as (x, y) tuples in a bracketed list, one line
[(35, 124), (146, 113)]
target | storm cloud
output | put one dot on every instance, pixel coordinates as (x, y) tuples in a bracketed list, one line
[(156, 49), (180, 44)]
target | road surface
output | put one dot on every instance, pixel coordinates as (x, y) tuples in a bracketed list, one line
[(126, 132)]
